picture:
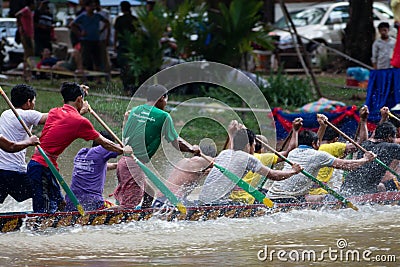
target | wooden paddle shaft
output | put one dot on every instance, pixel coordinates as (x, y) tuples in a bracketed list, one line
[(105, 126), (394, 117), (53, 169), (285, 142), (28, 131), (346, 137), (274, 151)]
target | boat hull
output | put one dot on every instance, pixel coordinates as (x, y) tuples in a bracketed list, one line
[(15, 221)]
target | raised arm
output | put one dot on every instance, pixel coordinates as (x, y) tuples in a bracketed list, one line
[(233, 127), (384, 114), (364, 112), (293, 143), (321, 118), (384, 117)]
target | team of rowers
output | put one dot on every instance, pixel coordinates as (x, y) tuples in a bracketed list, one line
[(245, 155)]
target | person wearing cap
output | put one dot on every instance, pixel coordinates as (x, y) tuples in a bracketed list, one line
[(63, 126), (145, 126)]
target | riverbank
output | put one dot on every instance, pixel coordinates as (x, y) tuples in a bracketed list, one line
[(109, 102)]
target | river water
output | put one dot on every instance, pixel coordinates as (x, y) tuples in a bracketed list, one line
[(369, 237), (347, 237)]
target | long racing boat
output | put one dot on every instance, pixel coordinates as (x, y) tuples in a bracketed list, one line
[(15, 221)]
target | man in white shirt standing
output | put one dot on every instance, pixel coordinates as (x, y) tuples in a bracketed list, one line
[(13, 168)]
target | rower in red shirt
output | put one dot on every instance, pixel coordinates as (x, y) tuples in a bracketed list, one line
[(63, 126)]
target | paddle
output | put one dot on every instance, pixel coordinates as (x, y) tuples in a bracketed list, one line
[(361, 148), (53, 169), (315, 180), (155, 180), (287, 139), (242, 184), (364, 150), (393, 116), (264, 179)]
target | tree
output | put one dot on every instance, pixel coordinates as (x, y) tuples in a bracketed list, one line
[(233, 32), (360, 32), (145, 53)]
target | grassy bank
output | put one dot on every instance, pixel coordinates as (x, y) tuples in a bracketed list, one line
[(108, 102)]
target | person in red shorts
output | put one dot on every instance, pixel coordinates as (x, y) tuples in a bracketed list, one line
[(63, 126)]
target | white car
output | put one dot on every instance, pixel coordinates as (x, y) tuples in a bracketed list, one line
[(325, 24), (8, 27)]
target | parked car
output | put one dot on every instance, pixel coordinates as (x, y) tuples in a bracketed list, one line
[(8, 28), (325, 24)]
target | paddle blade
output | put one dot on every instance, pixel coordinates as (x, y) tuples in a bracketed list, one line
[(267, 202), (181, 208), (350, 205), (245, 186), (80, 209), (161, 186)]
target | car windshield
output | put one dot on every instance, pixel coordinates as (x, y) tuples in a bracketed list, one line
[(8, 28), (302, 17)]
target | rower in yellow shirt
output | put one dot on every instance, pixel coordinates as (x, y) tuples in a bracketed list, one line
[(267, 159), (329, 143)]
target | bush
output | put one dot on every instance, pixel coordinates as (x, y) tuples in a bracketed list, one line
[(287, 91)]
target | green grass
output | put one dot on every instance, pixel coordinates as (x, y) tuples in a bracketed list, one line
[(333, 87), (106, 102)]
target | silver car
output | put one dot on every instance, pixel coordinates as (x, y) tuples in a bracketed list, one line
[(325, 24)]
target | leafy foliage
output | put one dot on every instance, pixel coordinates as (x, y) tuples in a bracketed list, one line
[(145, 51), (189, 20), (287, 91), (232, 30)]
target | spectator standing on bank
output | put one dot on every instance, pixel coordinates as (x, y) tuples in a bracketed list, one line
[(124, 26), (104, 38), (382, 48), (87, 25), (44, 31), (26, 31)]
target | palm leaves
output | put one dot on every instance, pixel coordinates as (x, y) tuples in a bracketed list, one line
[(144, 48), (233, 31)]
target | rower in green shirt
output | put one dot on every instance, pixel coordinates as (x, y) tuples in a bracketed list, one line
[(143, 130)]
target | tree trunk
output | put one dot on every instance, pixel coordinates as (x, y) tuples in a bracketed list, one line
[(269, 11), (359, 32)]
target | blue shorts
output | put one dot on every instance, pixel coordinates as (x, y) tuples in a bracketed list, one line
[(15, 184), (46, 190)]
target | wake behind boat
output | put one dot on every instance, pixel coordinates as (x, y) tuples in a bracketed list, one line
[(15, 221)]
